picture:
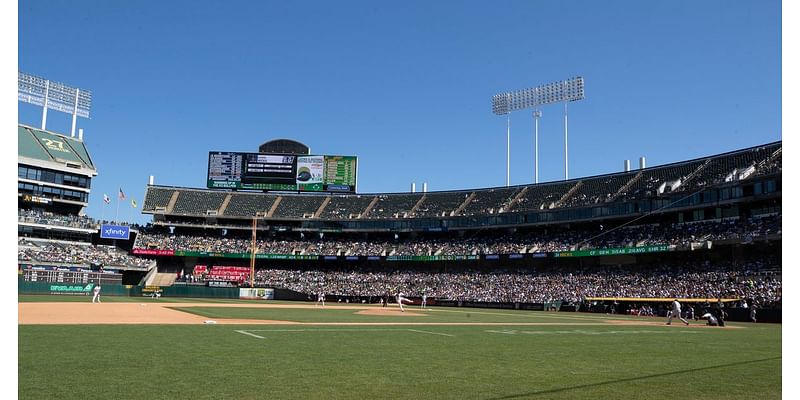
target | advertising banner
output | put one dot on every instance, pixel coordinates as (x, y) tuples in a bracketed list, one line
[(309, 173), (613, 252), (257, 293), (72, 289), (115, 232)]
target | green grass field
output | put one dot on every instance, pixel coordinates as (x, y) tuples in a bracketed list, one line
[(572, 356)]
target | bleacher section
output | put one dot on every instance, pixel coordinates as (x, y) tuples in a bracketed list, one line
[(440, 204), (597, 190), (733, 166), (541, 197), (490, 201), (634, 185), (394, 206), (198, 202), (298, 206), (248, 205), (653, 182), (157, 198), (344, 207)]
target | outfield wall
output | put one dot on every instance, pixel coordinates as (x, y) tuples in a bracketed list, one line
[(75, 289)]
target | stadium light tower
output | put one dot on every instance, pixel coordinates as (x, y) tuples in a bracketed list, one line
[(53, 95), (555, 92), (500, 105)]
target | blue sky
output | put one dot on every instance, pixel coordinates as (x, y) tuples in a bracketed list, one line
[(405, 86)]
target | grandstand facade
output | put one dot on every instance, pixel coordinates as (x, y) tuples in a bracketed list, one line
[(708, 188)]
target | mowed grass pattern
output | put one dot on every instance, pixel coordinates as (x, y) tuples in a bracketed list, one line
[(564, 361)]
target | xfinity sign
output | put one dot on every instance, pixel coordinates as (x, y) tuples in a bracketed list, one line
[(115, 232)]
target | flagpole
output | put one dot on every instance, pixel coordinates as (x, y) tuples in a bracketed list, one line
[(116, 217)]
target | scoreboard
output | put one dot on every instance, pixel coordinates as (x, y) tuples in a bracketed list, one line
[(265, 171)]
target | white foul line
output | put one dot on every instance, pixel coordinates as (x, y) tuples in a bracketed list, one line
[(341, 330), (430, 333), (250, 334)]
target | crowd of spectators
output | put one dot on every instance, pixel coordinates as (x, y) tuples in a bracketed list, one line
[(77, 254), (754, 280), (32, 216), (598, 237)]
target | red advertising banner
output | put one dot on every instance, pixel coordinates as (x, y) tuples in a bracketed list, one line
[(153, 252)]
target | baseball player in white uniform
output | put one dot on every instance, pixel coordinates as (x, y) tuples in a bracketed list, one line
[(401, 299), (321, 299), (676, 312), (96, 298), (712, 321), (424, 301)]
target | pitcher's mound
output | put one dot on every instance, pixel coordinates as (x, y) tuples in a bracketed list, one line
[(392, 312)]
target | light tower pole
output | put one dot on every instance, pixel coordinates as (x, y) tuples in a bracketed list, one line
[(536, 115), (555, 92)]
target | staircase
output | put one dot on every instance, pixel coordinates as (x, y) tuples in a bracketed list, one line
[(568, 194), (515, 200), (416, 206), (369, 207), (224, 205), (625, 187), (161, 279), (464, 204), (322, 207), (172, 201), (274, 207)]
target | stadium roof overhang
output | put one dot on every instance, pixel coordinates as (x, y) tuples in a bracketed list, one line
[(49, 150)]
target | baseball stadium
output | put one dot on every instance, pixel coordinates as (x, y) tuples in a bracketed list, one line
[(252, 267), (551, 290)]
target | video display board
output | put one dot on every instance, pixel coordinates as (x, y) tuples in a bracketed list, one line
[(290, 172)]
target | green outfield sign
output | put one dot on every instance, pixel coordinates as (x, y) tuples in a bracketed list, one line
[(71, 289), (613, 252)]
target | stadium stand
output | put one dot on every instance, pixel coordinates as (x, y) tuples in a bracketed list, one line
[(346, 207), (733, 166), (394, 206), (249, 205), (50, 219), (596, 190), (752, 280), (78, 254), (540, 197), (197, 202), (157, 198), (298, 206), (653, 182), (441, 204), (490, 201), (680, 235)]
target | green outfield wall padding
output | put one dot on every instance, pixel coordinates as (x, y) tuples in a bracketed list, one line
[(200, 291), (76, 289)]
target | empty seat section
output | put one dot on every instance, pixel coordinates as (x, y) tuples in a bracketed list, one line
[(344, 207), (394, 205), (490, 201), (441, 204), (542, 196), (197, 202), (247, 205), (298, 206), (597, 190), (156, 198)]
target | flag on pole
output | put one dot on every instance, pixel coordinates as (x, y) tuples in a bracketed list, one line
[(121, 194), (106, 199), (133, 203)]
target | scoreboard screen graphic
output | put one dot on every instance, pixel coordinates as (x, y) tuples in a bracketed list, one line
[(290, 172)]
